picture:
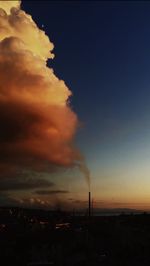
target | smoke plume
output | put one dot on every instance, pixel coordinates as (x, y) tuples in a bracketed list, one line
[(84, 169), (37, 125)]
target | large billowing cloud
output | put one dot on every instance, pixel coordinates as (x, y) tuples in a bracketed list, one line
[(37, 125)]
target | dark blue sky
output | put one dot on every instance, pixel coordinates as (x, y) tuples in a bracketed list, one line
[(103, 53)]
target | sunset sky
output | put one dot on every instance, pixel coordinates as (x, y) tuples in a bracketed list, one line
[(102, 52)]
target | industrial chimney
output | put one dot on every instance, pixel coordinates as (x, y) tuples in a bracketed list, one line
[(89, 204)]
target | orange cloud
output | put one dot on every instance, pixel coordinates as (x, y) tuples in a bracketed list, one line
[(37, 123)]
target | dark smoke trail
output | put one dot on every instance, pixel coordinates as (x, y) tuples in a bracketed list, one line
[(84, 169)]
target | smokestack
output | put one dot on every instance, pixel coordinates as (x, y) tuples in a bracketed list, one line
[(89, 204)]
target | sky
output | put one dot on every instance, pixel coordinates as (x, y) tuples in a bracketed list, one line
[(102, 52)]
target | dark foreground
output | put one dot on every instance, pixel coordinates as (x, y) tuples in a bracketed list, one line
[(30, 237)]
